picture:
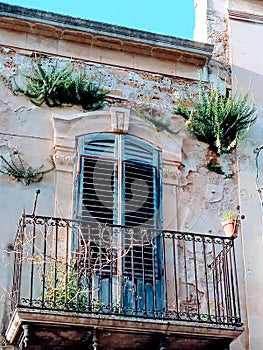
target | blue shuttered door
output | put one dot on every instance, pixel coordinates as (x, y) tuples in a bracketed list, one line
[(119, 184)]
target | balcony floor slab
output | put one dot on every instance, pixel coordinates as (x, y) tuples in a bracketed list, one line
[(46, 327)]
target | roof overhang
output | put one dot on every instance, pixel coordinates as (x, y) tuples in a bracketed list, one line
[(102, 35)]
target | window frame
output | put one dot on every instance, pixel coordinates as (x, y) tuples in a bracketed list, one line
[(120, 141)]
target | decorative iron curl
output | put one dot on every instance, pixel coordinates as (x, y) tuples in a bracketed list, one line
[(218, 240), (25, 302), (188, 237), (208, 240)]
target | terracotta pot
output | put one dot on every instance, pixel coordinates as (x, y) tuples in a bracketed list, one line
[(231, 227)]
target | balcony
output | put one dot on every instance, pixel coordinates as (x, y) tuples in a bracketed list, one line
[(78, 285)]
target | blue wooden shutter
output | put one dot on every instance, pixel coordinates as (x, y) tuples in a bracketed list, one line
[(119, 181), (141, 179), (98, 179)]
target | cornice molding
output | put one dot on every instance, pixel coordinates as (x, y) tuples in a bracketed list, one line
[(103, 35), (245, 16)]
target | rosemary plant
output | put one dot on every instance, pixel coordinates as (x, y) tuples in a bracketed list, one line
[(57, 87), (216, 168), (217, 118)]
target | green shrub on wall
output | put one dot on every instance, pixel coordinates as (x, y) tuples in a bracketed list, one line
[(17, 169), (57, 87), (217, 118)]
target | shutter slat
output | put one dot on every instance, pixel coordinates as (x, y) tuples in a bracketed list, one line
[(98, 199)]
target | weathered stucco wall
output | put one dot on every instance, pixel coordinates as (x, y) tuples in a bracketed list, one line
[(235, 27), (194, 198), (211, 26), (135, 90), (246, 29)]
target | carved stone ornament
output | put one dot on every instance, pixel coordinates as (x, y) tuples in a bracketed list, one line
[(64, 159), (171, 168), (120, 118), (171, 173), (23, 340)]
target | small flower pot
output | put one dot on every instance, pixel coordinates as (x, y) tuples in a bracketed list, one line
[(231, 227)]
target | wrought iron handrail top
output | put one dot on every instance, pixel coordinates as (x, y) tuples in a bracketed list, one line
[(162, 231)]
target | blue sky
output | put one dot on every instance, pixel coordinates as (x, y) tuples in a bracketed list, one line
[(171, 17)]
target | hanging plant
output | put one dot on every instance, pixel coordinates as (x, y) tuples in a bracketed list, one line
[(217, 118), (17, 169), (57, 87)]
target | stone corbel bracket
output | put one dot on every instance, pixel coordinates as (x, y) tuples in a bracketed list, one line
[(171, 168), (23, 340)]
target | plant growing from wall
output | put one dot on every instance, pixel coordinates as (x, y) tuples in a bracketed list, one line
[(217, 118), (57, 87), (17, 169), (157, 123), (216, 168)]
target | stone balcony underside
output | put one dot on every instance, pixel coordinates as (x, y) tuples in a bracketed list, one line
[(69, 330)]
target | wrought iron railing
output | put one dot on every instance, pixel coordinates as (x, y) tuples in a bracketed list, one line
[(75, 266)]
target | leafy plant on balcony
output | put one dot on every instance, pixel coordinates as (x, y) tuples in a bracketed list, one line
[(57, 87), (17, 169), (217, 118), (230, 215), (63, 289)]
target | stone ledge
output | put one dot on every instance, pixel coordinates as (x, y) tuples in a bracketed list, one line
[(245, 16), (102, 28), (116, 323)]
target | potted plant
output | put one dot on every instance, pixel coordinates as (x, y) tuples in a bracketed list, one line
[(231, 223)]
